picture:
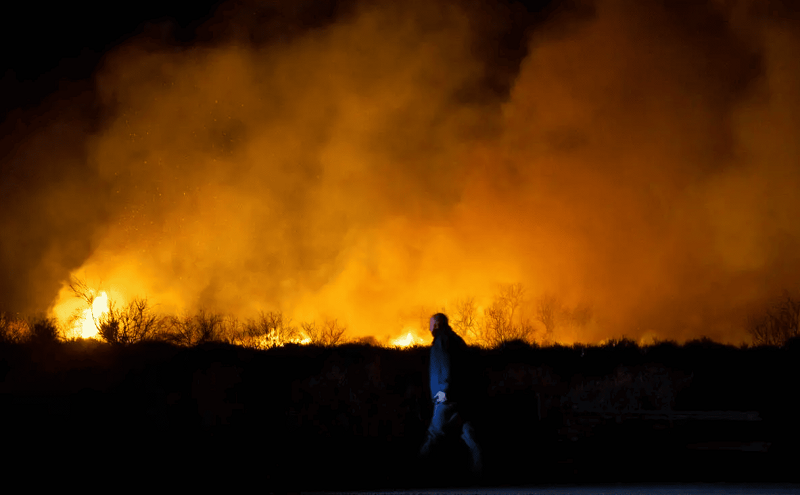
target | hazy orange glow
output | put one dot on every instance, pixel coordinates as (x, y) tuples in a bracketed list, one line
[(642, 163)]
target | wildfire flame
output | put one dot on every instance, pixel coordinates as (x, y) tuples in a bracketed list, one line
[(85, 324), (267, 342), (407, 340)]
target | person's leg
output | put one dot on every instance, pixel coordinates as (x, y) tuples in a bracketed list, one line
[(468, 435), (435, 430), (445, 422)]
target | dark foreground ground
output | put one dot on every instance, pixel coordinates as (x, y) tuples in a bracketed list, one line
[(616, 489), (353, 417)]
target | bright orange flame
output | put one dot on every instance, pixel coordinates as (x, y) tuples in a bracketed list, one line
[(267, 342), (407, 340), (80, 320), (85, 325)]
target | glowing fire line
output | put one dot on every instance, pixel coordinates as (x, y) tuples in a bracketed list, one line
[(407, 340)]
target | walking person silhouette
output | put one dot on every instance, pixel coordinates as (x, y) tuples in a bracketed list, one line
[(448, 371)]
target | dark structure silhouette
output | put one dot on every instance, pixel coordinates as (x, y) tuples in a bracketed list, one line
[(449, 391)]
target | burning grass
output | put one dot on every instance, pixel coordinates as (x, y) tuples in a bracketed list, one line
[(103, 314)]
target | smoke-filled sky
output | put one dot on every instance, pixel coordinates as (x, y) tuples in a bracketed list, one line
[(362, 160)]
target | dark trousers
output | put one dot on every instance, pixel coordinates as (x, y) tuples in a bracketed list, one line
[(447, 422)]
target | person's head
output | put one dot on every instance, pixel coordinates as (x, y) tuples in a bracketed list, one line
[(439, 320)]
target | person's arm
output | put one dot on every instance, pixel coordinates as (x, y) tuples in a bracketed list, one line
[(441, 368)]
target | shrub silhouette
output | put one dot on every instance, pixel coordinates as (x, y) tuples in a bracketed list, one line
[(43, 331), (620, 343), (134, 322), (37, 331), (270, 329), (193, 330), (13, 330), (369, 340)]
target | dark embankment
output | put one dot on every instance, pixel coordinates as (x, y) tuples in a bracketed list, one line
[(354, 416)]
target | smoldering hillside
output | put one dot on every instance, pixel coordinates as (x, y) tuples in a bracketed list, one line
[(354, 416), (357, 160)]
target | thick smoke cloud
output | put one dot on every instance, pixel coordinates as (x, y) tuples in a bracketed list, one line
[(639, 157)]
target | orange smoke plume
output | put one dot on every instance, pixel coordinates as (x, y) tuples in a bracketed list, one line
[(639, 161)]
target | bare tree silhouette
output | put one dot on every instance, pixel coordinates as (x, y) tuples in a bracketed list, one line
[(548, 310), (465, 319), (512, 296), (505, 318), (580, 315), (81, 290), (777, 324), (330, 333), (498, 319)]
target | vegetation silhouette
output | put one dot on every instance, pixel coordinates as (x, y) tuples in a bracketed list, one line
[(133, 322), (191, 330), (330, 333), (778, 324), (188, 389), (355, 414)]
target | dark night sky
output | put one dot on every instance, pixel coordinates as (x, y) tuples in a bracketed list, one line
[(63, 43)]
